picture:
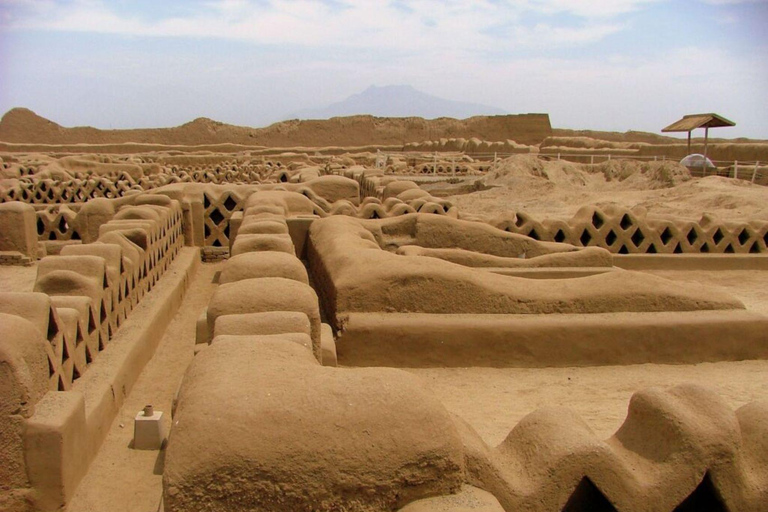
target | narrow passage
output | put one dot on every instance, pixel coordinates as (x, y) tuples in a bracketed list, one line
[(121, 479)]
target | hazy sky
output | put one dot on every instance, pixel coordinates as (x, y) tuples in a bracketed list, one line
[(599, 64)]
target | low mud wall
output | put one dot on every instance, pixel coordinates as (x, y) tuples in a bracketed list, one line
[(83, 301), (623, 231)]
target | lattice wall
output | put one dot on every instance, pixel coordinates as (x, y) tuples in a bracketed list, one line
[(57, 224), (84, 187), (75, 342), (624, 232), (373, 208), (218, 209), (48, 191)]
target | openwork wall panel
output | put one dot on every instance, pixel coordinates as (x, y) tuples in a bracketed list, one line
[(49, 191), (57, 223), (90, 300), (218, 209), (624, 232), (84, 187)]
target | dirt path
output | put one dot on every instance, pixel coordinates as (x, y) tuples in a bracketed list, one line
[(125, 480), (17, 279)]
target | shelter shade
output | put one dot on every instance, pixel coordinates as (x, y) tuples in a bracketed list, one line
[(692, 121)]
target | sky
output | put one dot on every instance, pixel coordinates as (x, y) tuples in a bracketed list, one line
[(613, 65)]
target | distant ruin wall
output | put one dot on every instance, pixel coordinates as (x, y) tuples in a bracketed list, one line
[(580, 149), (23, 126)]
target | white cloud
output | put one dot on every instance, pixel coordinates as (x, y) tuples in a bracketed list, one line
[(563, 36), (591, 8), (733, 2), (380, 24)]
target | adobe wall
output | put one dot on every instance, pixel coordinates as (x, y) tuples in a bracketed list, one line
[(374, 439), (84, 300), (347, 257), (623, 231), (17, 229), (334, 449)]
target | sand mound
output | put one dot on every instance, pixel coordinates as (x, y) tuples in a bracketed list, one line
[(557, 189), (523, 170), (639, 175), (631, 174)]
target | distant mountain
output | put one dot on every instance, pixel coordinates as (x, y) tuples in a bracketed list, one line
[(398, 101)]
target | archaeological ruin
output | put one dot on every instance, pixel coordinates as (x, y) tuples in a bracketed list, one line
[(335, 272)]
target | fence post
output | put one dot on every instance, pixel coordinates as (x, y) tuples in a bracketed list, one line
[(735, 169), (558, 156), (754, 173), (591, 159), (609, 157)]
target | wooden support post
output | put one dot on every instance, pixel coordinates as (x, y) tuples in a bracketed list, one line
[(735, 169), (754, 173), (706, 142)]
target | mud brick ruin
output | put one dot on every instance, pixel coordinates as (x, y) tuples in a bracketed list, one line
[(336, 271)]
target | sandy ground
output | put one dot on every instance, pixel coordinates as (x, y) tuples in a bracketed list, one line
[(17, 279), (494, 400), (125, 480)]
